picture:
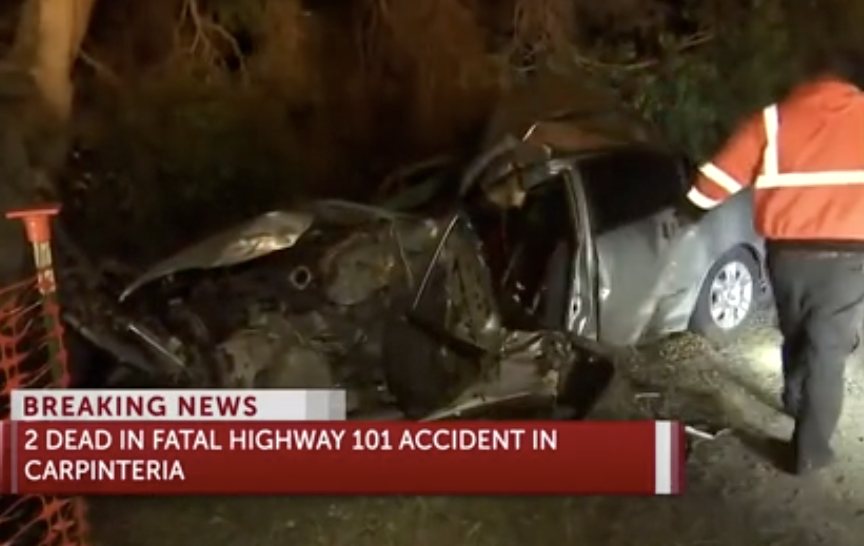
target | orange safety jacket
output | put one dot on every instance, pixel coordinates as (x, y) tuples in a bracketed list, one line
[(804, 158)]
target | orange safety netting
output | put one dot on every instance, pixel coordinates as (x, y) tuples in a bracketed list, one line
[(32, 355)]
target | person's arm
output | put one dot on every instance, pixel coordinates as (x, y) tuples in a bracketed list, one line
[(731, 170)]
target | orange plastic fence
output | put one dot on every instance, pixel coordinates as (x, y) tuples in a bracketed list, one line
[(32, 355)]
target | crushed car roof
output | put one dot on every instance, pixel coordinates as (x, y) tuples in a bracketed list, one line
[(567, 114)]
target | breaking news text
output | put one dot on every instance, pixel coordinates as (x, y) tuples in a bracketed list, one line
[(174, 448)]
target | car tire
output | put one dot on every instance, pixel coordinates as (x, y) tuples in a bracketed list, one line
[(729, 296)]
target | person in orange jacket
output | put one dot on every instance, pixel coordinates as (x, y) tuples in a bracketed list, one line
[(803, 158)]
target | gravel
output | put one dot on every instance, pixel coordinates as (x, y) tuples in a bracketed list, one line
[(732, 495)]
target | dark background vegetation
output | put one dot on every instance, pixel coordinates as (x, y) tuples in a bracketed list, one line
[(191, 113)]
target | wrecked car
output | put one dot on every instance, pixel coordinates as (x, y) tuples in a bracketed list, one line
[(595, 243), (502, 284), (587, 234), (399, 310)]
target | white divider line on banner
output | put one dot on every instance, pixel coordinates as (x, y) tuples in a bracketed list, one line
[(3, 452), (13, 458), (179, 405), (664, 459)]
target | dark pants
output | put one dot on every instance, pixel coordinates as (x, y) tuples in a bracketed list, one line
[(820, 306)]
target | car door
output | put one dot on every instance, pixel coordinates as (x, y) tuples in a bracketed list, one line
[(630, 196), (567, 295), (540, 252), (582, 313)]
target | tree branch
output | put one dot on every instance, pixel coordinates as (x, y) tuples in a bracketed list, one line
[(100, 68), (203, 25), (688, 43)]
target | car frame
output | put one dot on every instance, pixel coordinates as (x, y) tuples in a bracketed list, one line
[(653, 272), (618, 283), (427, 341)]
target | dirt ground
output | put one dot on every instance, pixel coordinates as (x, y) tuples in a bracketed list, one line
[(733, 497)]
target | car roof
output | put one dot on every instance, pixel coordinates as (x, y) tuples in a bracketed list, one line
[(567, 114), (622, 151)]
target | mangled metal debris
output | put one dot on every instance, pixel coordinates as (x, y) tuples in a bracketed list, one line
[(705, 432), (398, 310), (413, 311)]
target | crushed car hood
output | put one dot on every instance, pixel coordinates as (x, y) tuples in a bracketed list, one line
[(257, 237), (252, 239)]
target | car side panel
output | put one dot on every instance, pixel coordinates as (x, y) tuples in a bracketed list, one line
[(651, 271), (689, 259), (730, 225), (631, 261), (701, 246), (697, 249)]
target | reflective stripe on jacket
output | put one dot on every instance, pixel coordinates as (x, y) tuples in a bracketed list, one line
[(805, 159)]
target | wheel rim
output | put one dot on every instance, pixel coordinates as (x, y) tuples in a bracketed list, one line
[(731, 295)]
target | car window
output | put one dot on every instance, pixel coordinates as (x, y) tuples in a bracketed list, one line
[(623, 187)]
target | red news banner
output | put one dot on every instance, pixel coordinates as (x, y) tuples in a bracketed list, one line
[(297, 442)]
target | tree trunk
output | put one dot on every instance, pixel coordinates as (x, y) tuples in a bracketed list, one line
[(36, 93), (49, 38), (47, 43)]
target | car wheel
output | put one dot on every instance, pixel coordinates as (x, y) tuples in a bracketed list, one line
[(728, 297)]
